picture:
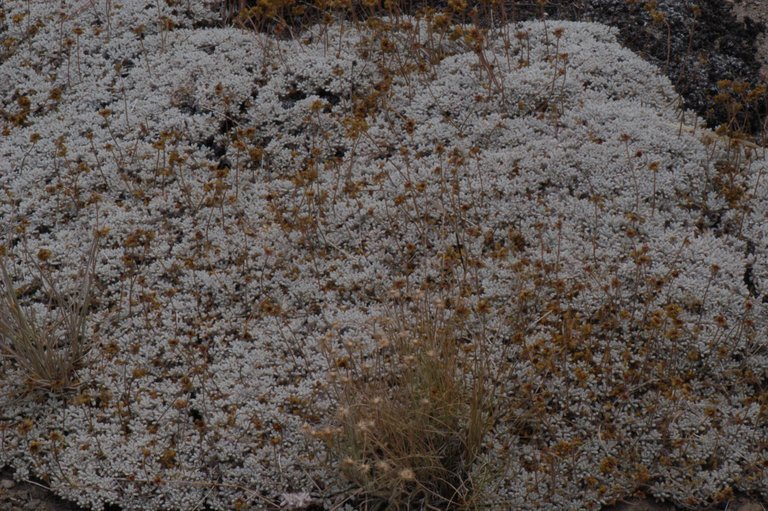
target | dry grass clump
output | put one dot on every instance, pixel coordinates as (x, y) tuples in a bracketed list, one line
[(49, 350), (413, 413)]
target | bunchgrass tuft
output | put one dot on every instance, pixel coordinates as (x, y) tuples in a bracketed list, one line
[(414, 413), (49, 350)]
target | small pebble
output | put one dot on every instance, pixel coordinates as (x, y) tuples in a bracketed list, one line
[(750, 506)]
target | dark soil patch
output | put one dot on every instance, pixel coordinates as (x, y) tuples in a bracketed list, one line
[(29, 496)]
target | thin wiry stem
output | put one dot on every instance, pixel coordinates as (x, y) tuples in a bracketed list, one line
[(49, 351)]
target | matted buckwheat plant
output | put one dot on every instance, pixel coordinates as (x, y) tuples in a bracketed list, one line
[(372, 256)]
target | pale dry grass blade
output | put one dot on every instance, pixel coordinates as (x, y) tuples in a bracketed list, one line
[(49, 350)]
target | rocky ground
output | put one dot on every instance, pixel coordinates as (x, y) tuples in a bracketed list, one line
[(758, 12), (744, 56), (29, 496)]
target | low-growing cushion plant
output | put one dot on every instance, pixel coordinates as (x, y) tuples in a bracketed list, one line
[(301, 228)]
